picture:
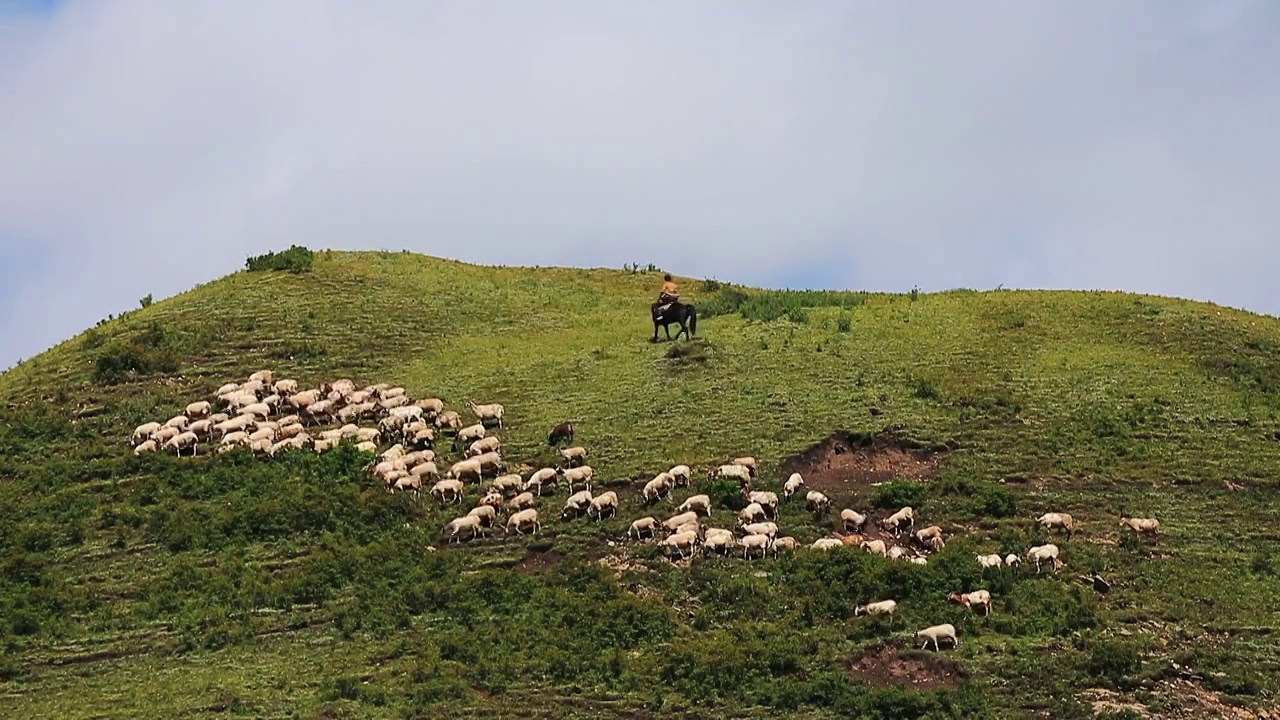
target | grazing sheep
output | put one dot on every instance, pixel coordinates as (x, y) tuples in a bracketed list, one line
[(692, 526), (239, 437), (719, 541), (165, 434), (764, 528), (392, 423), (448, 491), (469, 434), (431, 406), (177, 421), (490, 463), (919, 561), (681, 475), (576, 505), (395, 452), (199, 409), (606, 501), (894, 522), (182, 441), (827, 544), (562, 431), (483, 445), (578, 476), (470, 526), (851, 521), (545, 476), (793, 485), (935, 543), (1141, 525), (425, 437), (897, 552), (404, 484), (263, 434), (425, 469), (523, 501), (1011, 560), (755, 542), (508, 484), (202, 428), (767, 500), (644, 525), (412, 412), (368, 447), (784, 543), (488, 516), (817, 502), (463, 469), (926, 536), (1053, 520), (876, 547), (493, 499), (368, 435), (272, 401), (263, 376), (747, 462), (1041, 553), (253, 386), (524, 519), (853, 539), (392, 392), (739, 472), (945, 631), (980, 598), (228, 389), (574, 455), (882, 607), (449, 420), (989, 561), (144, 431), (486, 413), (285, 387), (303, 399), (145, 446), (680, 542), (323, 445), (751, 513), (697, 503), (676, 521), (220, 417), (658, 488)]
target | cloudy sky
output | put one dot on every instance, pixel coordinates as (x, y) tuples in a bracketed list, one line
[(146, 146)]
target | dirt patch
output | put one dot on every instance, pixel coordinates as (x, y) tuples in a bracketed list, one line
[(534, 561), (887, 665), (846, 459)]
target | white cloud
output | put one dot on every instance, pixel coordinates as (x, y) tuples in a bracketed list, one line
[(149, 146)]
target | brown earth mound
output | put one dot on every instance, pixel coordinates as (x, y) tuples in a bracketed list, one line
[(886, 666), (844, 459)]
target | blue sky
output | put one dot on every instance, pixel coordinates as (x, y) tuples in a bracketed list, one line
[(148, 146)]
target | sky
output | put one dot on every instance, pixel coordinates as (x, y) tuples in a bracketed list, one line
[(147, 146)]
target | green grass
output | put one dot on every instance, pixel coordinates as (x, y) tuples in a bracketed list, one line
[(157, 587)]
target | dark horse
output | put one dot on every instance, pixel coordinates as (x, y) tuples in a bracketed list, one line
[(676, 312)]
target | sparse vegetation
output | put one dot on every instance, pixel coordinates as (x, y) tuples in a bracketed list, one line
[(159, 587), (297, 259)]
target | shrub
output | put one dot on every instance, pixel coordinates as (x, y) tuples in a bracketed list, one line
[(899, 494), (146, 301), (297, 259), (1113, 661), (844, 323)]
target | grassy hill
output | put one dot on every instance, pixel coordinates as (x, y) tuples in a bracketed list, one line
[(298, 587)]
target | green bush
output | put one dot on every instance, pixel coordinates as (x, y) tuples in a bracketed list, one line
[(297, 259), (1113, 661), (898, 494)]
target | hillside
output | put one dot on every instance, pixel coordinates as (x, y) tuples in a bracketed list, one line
[(296, 586)]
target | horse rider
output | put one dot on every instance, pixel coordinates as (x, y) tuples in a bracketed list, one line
[(670, 292)]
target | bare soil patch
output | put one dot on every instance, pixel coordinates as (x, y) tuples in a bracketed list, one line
[(845, 459), (534, 560), (887, 665)]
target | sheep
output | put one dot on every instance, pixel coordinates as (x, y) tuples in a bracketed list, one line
[(747, 462), (490, 412), (680, 475), (165, 434), (431, 406), (930, 537), (426, 469), (425, 437), (698, 504), (658, 488), (483, 445), (239, 437), (447, 491), (349, 430), (368, 447), (1011, 560), (263, 434), (784, 543), (280, 446), (578, 476), (755, 542), (469, 525), (1141, 525), (692, 526), (562, 431), (490, 463), (523, 519), (182, 441), (220, 417), (645, 524), (394, 452), (1052, 520), (252, 386), (876, 547), (766, 499), (392, 423), (342, 386), (202, 428), (718, 541), (199, 409), (262, 410), (285, 387), (303, 399), (508, 484), (576, 505), (679, 542), (449, 420), (817, 502), (919, 561), (980, 598), (318, 410), (750, 514), (1041, 553), (740, 472), (368, 434), (540, 478), (574, 455), (493, 499), (851, 521), (349, 413), (894, 522), (793, 485), (523, 501), (764, 528), (488, 516), (827, 544), (853, 539), (389, 393), (322, 445), (465, 469), (944, 631), (334, 436), (263, 376), (897, 552), (882, 607), (272, 401), (412, 412), (178, 421), (989, 561), (676, 521), (469, 434), (602, 502), (227, 389), (403, 484), (144, 431), (145, 446)]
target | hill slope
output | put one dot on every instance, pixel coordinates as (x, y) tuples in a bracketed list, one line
[(158, 586)]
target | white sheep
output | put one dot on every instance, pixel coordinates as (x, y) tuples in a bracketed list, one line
[(144, 431), (367, 447), (919, 561), (989, 561), (508, 485), (897, 552), (876, 547), (1040, 553), (463, 469), (751, 513), (784, 543), (1141, 525), (793, 485), (717, 540), (182, 441), (578, 476), (394, 452), (231, 439), (764, 528), (945, 631), (431, 406), (322, 445), (470, 434), (851, 521), (680, 475), (827, 544), (199, 409), (303, 399), (285, 387), (524, 519), (895, 521), (545, 476), (470, 526), (425, 470), (659, 487), (675, 521), (263, 376), (449, 420), (882, 607), (747, 462), (523, 501), (1012, 560), (490, 463), (576, 505), (642, 526), (606, 501), (484, 445), (372, 435), (263, 434), (680, 542), (739, 472), (766, 499), (697, 503), (447, 491), (755, 542), (487, 514), (178, 421), (262, 410), (978, 598), (145, 446), (412, 412), (492, 411), (165, 434), (228, 389), (817, 502)]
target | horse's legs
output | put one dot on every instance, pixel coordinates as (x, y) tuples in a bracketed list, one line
[(667, 328), (655, 331)]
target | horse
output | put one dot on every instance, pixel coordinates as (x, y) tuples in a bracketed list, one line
[(675, 312)]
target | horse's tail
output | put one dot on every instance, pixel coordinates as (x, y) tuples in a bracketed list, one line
[(693, 321)]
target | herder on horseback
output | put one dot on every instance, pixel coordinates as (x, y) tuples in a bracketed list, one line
[(669, 310)]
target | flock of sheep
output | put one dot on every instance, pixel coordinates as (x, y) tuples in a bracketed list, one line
[(269, 416)]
